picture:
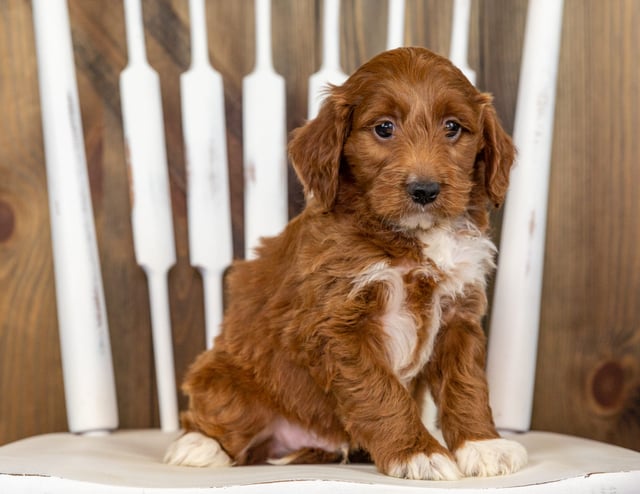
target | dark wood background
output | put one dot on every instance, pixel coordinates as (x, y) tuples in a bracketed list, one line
[(588, 380)]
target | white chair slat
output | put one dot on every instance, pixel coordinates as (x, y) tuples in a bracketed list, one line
[(82, 316), (205, 140), (266, 208), (395, 24), (459, 49), (330, 71), (513, 336), (151, 214)]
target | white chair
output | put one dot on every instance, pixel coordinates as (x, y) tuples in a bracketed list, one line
[(93, 459)]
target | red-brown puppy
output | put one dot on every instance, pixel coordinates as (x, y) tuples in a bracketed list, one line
[(373, 295)]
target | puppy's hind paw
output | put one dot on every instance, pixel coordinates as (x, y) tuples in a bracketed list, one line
[(196, 450), (491, 457), (425, 467)]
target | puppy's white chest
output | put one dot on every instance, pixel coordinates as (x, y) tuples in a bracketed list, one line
[(414, 295), (462, 255)]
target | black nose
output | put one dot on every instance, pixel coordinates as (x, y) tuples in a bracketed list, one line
[(423, 192)]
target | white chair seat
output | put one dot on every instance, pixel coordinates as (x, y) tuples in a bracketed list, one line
[(130, 462)]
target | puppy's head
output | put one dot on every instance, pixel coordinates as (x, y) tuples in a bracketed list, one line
[(408, 137)]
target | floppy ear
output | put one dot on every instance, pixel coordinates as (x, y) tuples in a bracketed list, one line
[(498, 153), (316, 149)]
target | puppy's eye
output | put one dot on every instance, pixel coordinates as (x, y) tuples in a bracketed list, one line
[(452, 129), (385, 129)]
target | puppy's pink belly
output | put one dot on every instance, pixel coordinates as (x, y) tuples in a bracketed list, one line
[(287, 438)]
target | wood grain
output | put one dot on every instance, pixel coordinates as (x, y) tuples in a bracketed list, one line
[(588, 380), (29, 352)]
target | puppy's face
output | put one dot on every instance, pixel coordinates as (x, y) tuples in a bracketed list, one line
[(411, 137), (413, 142)]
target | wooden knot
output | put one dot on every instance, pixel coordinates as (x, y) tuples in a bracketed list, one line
[(607, 387), (7, 221)]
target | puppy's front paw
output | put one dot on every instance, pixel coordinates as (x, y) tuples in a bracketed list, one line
[(491, 457), (420, 466), (196, 450)]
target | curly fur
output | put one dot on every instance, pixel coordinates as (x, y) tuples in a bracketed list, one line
[(371, 296)]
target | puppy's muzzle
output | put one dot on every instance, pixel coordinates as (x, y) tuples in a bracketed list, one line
[(423, 193)]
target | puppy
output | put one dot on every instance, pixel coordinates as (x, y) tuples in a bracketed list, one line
[(373, 295)]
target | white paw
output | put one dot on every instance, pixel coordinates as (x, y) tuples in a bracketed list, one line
[(422, 467), (196, 450), (491, 457)]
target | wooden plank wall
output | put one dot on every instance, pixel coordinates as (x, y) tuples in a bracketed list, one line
[(588, 380), (589, 360)]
